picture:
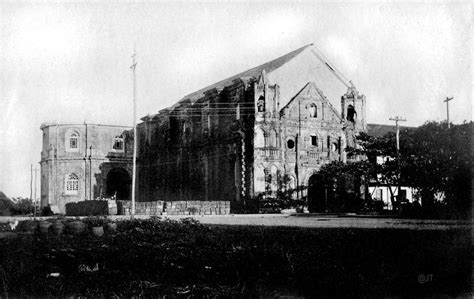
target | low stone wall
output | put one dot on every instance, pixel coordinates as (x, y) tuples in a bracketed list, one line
[(197, 207), (155, 208)]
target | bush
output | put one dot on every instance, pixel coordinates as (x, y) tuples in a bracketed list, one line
[(22, 207), (87, 208), (46, 211)]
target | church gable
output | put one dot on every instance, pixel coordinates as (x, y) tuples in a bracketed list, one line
[(310, 103), (303, 68)]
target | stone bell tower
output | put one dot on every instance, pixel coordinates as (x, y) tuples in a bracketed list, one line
[(353, 114)]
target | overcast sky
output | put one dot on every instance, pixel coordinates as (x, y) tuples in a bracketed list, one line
[(70, 62)]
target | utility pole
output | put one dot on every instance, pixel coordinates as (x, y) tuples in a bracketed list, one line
[(398, 119), (31, 182), (447, 109), (90, 172), (34, 197), (133, 67)]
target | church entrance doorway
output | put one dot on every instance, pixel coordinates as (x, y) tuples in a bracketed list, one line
[(118, 183), (317, 194)]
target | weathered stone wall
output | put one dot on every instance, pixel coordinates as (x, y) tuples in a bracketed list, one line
[(155, 208), (197, 150)]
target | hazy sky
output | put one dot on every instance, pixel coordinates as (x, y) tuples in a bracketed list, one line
[(70, 62)]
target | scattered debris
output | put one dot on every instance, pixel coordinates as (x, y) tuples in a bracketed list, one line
[(13, 224), (85, 268)]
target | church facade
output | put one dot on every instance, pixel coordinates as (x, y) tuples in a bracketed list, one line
[(264, 130)]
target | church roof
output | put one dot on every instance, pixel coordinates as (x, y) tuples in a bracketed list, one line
[(291, 72), (251, 73)]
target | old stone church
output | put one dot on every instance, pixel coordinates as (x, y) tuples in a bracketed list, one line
[(240, 137), (266, 129)]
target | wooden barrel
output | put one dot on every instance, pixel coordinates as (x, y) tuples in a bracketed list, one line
[(58, 227), (44, 227), (111, 226), (98, 231), (112, 204), (77, 227)]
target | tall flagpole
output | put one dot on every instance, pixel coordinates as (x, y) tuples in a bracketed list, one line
[(134, 171)]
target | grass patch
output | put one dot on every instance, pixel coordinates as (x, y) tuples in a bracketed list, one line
[(157, 258)]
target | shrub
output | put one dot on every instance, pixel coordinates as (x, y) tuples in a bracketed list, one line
[(46, 211), (87, 208), (22, 207)]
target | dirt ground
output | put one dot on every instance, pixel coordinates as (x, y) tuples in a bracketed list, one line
[(306, 220)]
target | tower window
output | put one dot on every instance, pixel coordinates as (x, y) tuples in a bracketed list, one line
[(72, 184), (118, 143), (351, 113), (261, 104), (73, 142), (313, 111), (290, 143), (314, 140)]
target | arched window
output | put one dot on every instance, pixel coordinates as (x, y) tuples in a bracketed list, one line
[(273, 138), (72, 184), (313, 110), (261, 104), (73, 141), (186, 129), (290, 143), (351, 113), (266, 136), (314, 140), (118, 143)]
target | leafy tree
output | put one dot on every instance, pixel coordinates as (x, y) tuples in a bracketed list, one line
[(386, 173), (345, 184), (436, 159), (433, 160), (5, 204), (22, 206)]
